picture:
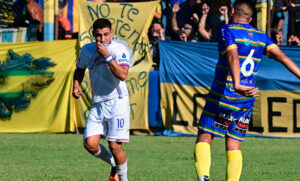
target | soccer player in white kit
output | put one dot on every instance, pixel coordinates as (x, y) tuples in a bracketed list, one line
[(107, 62)]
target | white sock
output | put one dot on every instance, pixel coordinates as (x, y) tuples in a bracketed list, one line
[(122, 171), (105, 155)]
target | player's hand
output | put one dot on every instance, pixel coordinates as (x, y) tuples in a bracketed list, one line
[(77, 92), (102, 50), (247, 92)]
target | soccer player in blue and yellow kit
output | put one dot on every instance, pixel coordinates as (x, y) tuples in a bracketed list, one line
[(229, 104)]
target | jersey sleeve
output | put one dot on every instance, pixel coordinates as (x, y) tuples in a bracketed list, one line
[(226, 40), (82, 59), (122, 57), (269, 44)]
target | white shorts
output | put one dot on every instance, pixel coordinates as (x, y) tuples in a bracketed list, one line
[(109, 118)]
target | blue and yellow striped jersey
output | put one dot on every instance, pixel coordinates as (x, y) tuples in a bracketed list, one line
[(251, 44)]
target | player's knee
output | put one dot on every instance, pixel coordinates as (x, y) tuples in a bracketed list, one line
[(115, 147), (91, 147)]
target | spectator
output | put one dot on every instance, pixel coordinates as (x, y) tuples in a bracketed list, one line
[(64, 26), (186, 33), (36, 16), (294, 40), (277, 37), (202, 23), (295, 18), (278, 9), (196, 16), (197, 11), (20, 17), (210, 21), (156, 33), (6, 13)]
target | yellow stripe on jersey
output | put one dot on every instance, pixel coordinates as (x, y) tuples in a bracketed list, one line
[(223, 104), (229, 98), (253, 43), (271, 46), (268, 48), (246, 29), (253, 58), (228, 48)]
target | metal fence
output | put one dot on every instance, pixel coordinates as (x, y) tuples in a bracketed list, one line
[(185, 20)]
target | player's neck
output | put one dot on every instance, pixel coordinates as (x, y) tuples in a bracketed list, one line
[(238, 19)]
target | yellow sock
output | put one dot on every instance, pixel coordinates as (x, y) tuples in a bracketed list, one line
[(202, 158), (234, 165)]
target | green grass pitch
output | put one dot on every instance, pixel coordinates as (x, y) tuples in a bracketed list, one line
[(36, 157)]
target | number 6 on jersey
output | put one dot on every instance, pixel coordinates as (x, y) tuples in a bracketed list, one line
[(246, 62)]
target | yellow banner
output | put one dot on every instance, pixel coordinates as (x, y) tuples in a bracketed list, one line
[(35, 86), (276, 113), (130, 23)]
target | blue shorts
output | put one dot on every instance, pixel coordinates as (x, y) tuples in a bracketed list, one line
[(221, 117)]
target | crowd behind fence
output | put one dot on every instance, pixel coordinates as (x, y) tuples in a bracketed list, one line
[(181, 20)]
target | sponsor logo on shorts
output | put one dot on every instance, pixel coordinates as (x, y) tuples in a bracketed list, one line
[(243, 122), (240, 130), (226, 116), (223, 121), (242, 125)]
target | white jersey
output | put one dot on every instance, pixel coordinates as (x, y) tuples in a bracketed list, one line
[(105, 85)]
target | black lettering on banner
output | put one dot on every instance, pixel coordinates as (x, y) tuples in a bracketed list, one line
[(117, 25), (255, 128), (124, 6), (195, 120), (175, 111), (126, 27), (295, 128), (87, 35), (272, 113), (134, 11), (130, 11), (105, 10), (93, 12), (132, 110), (137, 36), (134, 85)]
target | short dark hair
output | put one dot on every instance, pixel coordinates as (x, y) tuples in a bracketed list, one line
[(244, 8), (101, 23)]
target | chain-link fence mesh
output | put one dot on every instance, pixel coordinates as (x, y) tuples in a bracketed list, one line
[(183, 20)]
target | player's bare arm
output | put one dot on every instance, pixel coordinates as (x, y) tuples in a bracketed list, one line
[(78, 77), (119, 71), (234, 66), (279, 56)]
